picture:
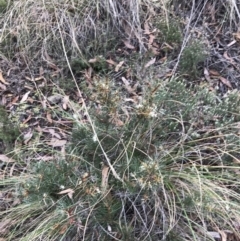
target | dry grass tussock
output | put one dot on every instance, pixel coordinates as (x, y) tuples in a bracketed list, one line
[(68, 28)]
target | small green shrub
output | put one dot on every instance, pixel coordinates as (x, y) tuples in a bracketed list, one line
[(170, 31), (8, 131), (172, 152), (166, 132), (48, 179), (192, 55)]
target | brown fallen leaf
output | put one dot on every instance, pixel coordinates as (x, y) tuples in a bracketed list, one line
[(34, 79), (15, 99), (231, 43), (65, 102), (28, 119), (2, 86), (25, 96), (4, 158), (225, 81), (151, 39), (68, 191), (92, 60), (54, 142), (2, 79), (41, 71), (39, 78), (55, 73), (206, 74), (237, 36), (128, 87), (49, 117), (128, 45), (215, 235), (85, 176), (3, 101), (63, 229), (104, 184), (168, 46), (53, 133), (110, 61), (149, 63), (223, 235), (225, 55), (213, 72), (147, 28), (119, 66)]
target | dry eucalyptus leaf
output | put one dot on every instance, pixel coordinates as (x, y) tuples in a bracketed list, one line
[(214, 235), (231, 43), (119, 66), (68, 191), (151, 39), (105, 171), (25, 96), (225, 81), (149, 63), (65, 102), (4, 158), (41, 71), (213, 72), (54, 142), (49, 117), (128, 45), (2, 79), (127, 86), (110, 61), (92, 60), (206, 74), (237, 36), (2, 86), (53, 133), (147, 28)]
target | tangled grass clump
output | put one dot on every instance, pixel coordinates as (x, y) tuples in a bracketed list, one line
[(52, 31), (165, 170)]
